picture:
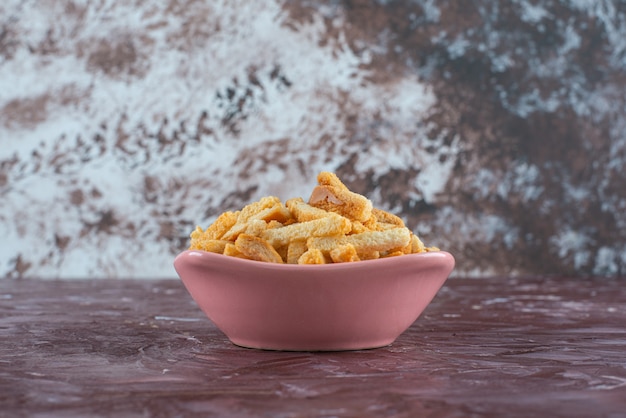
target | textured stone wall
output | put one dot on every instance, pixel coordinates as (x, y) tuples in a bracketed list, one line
[(496, 129)]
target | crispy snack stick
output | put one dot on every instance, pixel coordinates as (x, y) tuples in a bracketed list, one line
[(387, 217), (383, 226), (232, 251), (256, 248), (326, 243), (365, 242), (282, 251), (277, 213), (249, 212), (368, 255), (255, 227), (257, 207), (358, 227), (387, 240), (331, 225), (304, 212), (312, 256), (417, 246), (217, 229), (332, 195), (210, 245), (392, 254), (344, 253), (295, 249)]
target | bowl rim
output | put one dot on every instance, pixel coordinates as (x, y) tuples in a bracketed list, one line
[(201, 256)]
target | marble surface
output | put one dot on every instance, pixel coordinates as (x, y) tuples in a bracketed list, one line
[(496, 130), (489, 347)]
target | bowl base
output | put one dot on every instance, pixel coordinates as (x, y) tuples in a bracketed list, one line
[(372, 345)]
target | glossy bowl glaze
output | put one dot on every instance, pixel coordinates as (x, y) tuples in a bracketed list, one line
[(343, 306)]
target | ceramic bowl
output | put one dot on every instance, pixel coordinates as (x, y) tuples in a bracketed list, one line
[(343, 306)]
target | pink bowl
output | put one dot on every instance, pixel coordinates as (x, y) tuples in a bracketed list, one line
[(344, 306)]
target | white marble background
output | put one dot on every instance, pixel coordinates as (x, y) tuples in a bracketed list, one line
[(125, 124)]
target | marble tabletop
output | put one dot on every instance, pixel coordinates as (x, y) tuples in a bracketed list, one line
[(484, 347)]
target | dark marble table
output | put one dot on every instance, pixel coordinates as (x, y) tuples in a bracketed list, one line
[(484, 347)]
